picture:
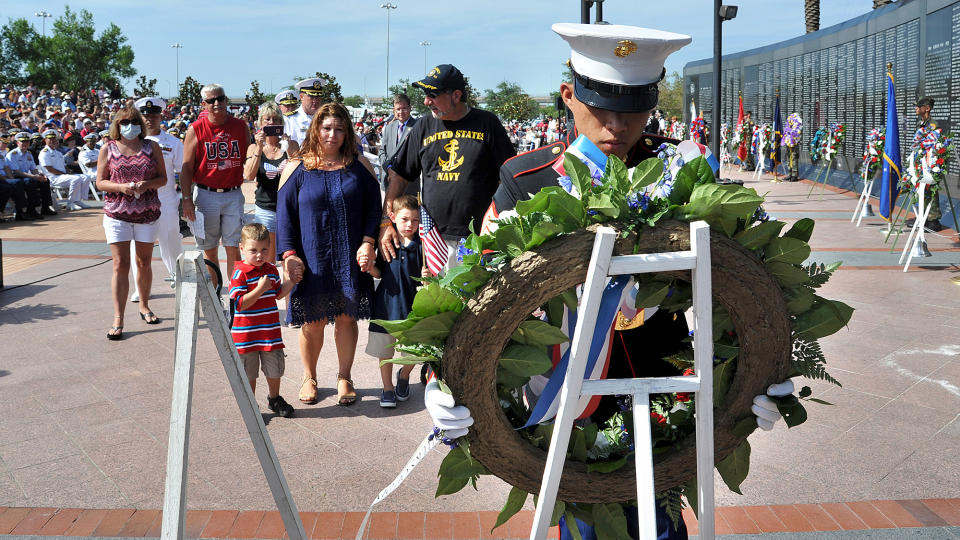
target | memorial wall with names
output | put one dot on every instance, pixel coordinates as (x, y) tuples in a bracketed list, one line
[(838, 75)]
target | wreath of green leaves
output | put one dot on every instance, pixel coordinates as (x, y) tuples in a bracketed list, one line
[(622, 196)]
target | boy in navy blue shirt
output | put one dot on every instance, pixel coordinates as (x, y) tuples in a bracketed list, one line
[(393, 299)]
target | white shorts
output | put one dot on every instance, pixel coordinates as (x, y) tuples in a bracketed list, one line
[(380, 345), (124, 231)]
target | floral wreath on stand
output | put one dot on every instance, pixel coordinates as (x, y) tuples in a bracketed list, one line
[(817, 144), (833, 143), (932, 151), (658, 196), (725, 157), (791, 135), (873, 153), (767, 139), (696, 130)]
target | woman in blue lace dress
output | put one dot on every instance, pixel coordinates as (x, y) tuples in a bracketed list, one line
[(328, 212)]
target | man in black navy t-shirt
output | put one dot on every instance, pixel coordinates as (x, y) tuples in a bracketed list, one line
[(458, 150)]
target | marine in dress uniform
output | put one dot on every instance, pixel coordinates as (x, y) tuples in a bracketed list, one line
[(616, 70), (295, 125)]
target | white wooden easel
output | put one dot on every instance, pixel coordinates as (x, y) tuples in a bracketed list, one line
[(602, 264), (195, 290), (916, 245), (863, 203)]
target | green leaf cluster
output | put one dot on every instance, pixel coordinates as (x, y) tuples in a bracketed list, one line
[(70, 55)]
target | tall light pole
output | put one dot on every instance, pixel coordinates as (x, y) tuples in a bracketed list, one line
[(720, 13), (388, 6), (44, 15), (178, 46), (425, 45)]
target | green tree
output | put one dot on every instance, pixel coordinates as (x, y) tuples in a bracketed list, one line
[(255, 97), (331, 90), (511, 103), (353, 101), (72, 56), (189, 92), (671, 95), (145, 87)]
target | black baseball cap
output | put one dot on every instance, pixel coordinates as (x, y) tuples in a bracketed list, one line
[(442, 78)]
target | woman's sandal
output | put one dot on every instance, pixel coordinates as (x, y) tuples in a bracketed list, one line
[(346, 395), (116, 332), (149, 318), (308, 391)]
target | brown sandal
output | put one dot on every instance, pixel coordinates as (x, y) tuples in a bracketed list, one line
[(308, 391), (346, 395)]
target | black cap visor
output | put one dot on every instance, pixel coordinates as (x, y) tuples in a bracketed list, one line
[(616, 97)]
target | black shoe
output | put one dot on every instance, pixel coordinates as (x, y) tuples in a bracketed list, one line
[(279, 406), (33, 214), (388, 399), (24, 216), (934, 226), (402, 389), (47, 211)]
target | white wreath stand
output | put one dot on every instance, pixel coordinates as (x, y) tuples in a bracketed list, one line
[(195, 290), (602, 264), (863, 203), (916, 245), (759, 156)]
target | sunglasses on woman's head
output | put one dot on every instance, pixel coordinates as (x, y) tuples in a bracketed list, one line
[(218, 99)]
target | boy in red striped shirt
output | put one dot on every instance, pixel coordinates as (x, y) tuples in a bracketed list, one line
[(255, 288)]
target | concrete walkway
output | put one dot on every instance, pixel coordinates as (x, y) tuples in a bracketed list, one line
[(83, 421)]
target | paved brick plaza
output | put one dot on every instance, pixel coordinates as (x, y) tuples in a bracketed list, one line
[(84, 420)]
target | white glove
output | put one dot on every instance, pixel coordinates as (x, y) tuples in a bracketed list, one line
[(451, 418), (765, 409)]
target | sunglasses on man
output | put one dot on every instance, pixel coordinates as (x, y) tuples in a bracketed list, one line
[(218, 99), (432, 94)]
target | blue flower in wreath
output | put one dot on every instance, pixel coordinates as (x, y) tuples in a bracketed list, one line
[(463, 250), (566, 184), (663, 187)]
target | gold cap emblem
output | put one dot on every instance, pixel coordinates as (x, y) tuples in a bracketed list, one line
[(624, 48), (556, 150)]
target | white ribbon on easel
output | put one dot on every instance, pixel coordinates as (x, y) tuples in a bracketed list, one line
[(761, 142), (428, 444), (864, 200), (915, 239)]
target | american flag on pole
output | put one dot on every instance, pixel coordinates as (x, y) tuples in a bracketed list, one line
[(434, 248)]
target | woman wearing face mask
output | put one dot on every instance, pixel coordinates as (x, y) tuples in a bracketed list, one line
[(265, 160), (129, 172)]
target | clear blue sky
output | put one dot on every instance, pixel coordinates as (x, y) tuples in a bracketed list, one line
[(239, 41)]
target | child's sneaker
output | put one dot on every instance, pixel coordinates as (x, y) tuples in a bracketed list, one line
[(403, 388), (280, 406), (388, 399)]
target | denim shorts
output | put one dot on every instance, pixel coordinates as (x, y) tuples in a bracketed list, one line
[(222, 217), (268, 218)]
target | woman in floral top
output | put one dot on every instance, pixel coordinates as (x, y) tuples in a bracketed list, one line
[(129, 171)]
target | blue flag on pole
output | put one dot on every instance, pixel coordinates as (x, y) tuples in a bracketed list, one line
[(777, 135), (890, 182)]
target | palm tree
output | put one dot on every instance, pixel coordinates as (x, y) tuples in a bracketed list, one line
[(811, 10)]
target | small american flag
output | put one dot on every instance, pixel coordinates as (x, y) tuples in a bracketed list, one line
[(434, 248)]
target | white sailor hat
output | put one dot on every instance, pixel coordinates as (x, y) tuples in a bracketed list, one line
[(150, 105), (311, 87), (104, 133), (90, 136), (50, 134), (617, 67), (22, 136), (287, 97)]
